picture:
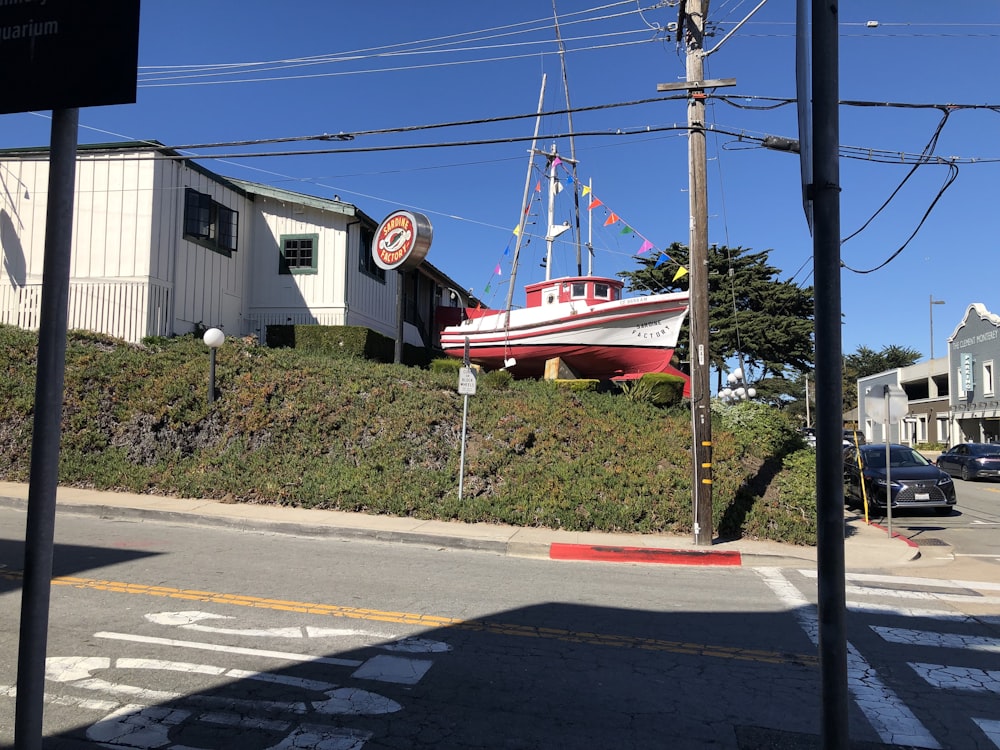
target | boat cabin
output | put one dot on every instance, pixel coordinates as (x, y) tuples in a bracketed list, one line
[(591, 290)]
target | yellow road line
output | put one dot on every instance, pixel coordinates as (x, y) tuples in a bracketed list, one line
[(432, 621)]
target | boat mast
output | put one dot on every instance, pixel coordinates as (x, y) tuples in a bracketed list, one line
[(551, 232), (554, 230), (572, 141), (524, 202), (590, 234)]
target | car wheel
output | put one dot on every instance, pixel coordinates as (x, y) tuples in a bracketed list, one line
[(945, 511), (965, 474)]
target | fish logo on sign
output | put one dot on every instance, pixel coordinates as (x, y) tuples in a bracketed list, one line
[(402, 241)]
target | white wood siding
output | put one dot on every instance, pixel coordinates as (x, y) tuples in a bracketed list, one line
[(109, 291), (203, 277), (371, 303), (297, 298)]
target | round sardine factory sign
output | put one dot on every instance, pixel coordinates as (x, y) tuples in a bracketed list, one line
[(402, 240)]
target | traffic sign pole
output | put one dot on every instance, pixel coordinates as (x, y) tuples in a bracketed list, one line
[(467, 387)]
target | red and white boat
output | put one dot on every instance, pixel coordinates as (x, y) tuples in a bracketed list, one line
[(582, 320)]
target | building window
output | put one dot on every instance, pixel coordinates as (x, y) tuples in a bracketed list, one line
[(988, 378), (367, 262), (298, 253), (209, 223)]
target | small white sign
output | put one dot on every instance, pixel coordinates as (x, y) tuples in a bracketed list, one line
[(466, 381)]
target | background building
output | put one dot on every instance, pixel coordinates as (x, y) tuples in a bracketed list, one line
[(952, 399)]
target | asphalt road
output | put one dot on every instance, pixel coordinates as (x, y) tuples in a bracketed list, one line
[(972, 531), (177, 636)]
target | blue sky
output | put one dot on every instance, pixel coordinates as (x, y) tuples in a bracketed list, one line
[(392, 64)]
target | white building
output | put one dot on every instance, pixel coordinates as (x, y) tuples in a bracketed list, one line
[(162, 246)]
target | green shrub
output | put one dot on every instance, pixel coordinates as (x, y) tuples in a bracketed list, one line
[(446, 364), (497, 380), (333, 341), (659, 388), (299, 427), (577, 384), (787, 511)]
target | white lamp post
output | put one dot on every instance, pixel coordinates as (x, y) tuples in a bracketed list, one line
[(213, 339), (737, 390)]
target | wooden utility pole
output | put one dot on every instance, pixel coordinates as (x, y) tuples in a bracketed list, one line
[(693, 22), (691, 27)]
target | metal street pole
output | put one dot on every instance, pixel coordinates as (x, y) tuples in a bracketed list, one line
[(44, 472), (931, 308), (825, 193)]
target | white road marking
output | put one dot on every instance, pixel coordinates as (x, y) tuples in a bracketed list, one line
[(385, 668), (959, 678), (924, 595), (145, 728), (892, 719), (953, 616), (938, 640), (189, 620), (991, 729), (79, 672), (939, 582), (393, 669), (229, 649), (10, 691), (976, 554)]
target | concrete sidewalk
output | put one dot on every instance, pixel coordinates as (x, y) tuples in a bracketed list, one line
[(865, 546)]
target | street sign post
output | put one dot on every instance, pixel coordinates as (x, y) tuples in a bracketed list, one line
[(889, 409), (466, 388)]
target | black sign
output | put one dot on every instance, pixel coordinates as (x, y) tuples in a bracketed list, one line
[(61, 54)]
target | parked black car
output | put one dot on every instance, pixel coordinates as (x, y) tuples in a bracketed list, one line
[(971, 460), (916, 482)]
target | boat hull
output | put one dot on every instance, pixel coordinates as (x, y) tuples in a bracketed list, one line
[(624, 338)]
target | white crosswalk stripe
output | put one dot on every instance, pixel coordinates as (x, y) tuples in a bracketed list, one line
[(959, 678), (883, 595), (889, 716), (940, 640)]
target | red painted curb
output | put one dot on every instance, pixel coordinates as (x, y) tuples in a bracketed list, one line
[(895, 536), (560, 551)]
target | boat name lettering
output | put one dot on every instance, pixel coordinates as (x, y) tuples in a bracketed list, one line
[(643, 330)]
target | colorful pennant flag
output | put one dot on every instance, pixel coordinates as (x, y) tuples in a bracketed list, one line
[(612, 218), (594, 204), (661, 260), (626, 230), (497, 270), (586, 190), (517, 230), (646, 245), (538, 186), (681, 272)]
